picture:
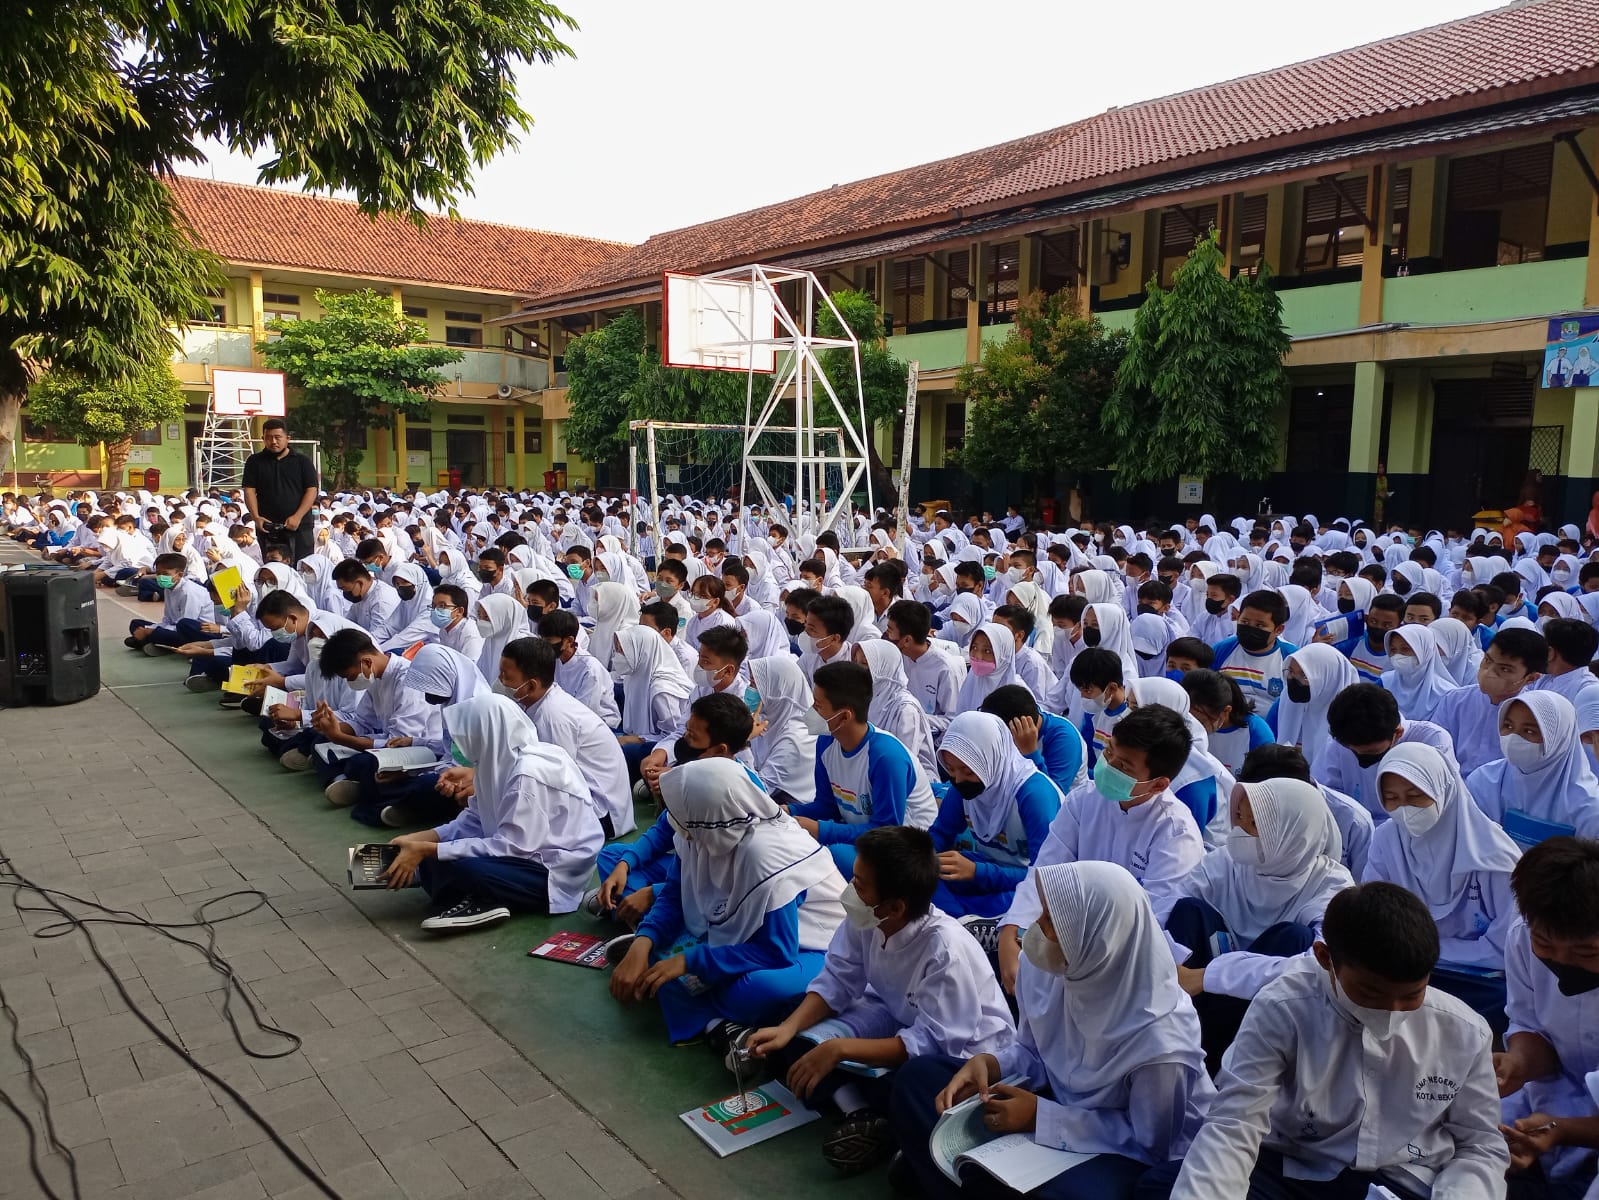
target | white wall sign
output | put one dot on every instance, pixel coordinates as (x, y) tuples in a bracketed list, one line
[(1190, 489)]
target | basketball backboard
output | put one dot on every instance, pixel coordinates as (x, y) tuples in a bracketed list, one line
[(719, 324), (240, 393)]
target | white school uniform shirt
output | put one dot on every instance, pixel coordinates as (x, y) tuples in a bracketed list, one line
[(463, 637), (1535, 1004), (934, 680), (1305, 1079), (1157, 842), (930, 985), (378, 612), (850, 774), (565, 722), (1032, 668), (1336, 766), (185, 599), (809, 662), (590, 684), (393, 710)]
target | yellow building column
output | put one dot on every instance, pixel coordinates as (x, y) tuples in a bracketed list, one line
[(1410, 423), (402, 449), (380, 455), (257, 316), (496, 464), (1365, 438), (519, 433), (1090, 243), (974, 294), (1590, 286), (1379, 210), (1583, 464)]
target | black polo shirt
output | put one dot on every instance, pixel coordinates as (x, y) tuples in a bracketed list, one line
[(279, 483)]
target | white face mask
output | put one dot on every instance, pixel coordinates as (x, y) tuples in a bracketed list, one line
[(361, 683), (807, 644), (1561, 576), (699, 604), (1519, 752), (1016, 574), (313, 647), (704, 678), (486, 628), (860, 914), (1405, 663), (1418, 820), (1044, 954), (1093, 705), (1381, 1023), (1245, 848)]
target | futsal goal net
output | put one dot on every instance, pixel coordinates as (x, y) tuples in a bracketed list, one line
[(694, 461)]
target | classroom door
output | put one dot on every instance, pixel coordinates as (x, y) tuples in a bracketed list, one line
[(191, 434), (467, 451)]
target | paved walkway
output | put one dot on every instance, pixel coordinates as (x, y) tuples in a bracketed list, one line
[(398, 1088)]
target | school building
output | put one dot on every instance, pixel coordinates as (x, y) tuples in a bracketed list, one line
[(1426, 203), (279, 249)]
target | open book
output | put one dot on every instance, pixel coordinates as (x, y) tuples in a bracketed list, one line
[(401, 758), (961, 1138)]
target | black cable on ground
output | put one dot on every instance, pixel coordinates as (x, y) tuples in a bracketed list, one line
[(100, 914)]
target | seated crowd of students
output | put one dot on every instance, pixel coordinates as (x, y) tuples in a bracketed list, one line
[(1247, 860)]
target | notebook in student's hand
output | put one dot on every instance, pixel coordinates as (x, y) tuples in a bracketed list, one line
[(367, 863), (227, 581), (579, 949), (960, 1138), (240, 676), (737, 1122)]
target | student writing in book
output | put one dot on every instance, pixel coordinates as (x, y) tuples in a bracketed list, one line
[(741, 924), (902, 979), (1107, 1045), (995, 814), (1350, 1071), (286, 731), (527, 839)]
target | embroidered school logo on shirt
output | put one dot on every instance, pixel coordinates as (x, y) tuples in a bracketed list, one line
[(1438, 1088)]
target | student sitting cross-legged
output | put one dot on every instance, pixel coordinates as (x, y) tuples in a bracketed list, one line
[(528, 837), (740, 926), (182, 598), (903, 979), (1107, 1043), (995, 814), (1350, 1071), (1245, 912), (864, 777)]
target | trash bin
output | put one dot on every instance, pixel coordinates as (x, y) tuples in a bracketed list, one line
[(549, 482), (135, 477), (152, 479), (455, 479), (49, 636), (443, 479), (1046, 509)]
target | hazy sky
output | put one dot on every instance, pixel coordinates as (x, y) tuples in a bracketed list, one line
[(673, 113)]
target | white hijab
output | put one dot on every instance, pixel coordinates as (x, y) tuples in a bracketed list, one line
[(741, 857), (1292, 870), (785, 755), (615, 607), (495, 734), (507, 621), (975, 688), (1119, 1000), (1458, 648), (648, 667), (1328, 673), (984, 744), (1438, 865), (1418, 690), (439, 671)]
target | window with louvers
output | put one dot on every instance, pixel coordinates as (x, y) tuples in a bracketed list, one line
[(908, 295), (1180, 228), (1498, 207), (1331, 232), (1251, 232), (957, 284), (1057, 260), (1002, 277)]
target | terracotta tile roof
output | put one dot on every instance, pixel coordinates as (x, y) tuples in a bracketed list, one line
[(280, 228), (1527, 48)]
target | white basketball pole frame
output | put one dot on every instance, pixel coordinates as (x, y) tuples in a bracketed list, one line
[(797, 375)]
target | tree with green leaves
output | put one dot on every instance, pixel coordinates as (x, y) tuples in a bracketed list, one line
[(394, 103), (91, 413), (357, 367), (883, 377), (1036, 398), (1202, 381)]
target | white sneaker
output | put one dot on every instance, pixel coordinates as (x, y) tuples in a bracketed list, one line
[(342, 793), (294, 760), (591, 903), (468, 914)]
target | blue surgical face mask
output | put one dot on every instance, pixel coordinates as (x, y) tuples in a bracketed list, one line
[(752, 699), (1113, 784), (441, 617), (283, 634)]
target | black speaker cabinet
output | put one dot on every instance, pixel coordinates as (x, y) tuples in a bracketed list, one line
[(49, 636)]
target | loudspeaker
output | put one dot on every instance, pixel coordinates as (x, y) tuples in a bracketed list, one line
[(49, 636)]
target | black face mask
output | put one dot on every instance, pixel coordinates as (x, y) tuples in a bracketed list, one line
[(1298, 690), (486, 576), (1401, 585), (1346, 604), (436, 699), (1367, 761), (969, 789), (795, 628), (1298, 547), (1146, 609), (1090, 635), (1214, 607), (1253, 639), (406, 593), (1573, 981), (682, 752)]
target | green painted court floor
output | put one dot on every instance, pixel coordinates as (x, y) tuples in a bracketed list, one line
[(614, 1062)]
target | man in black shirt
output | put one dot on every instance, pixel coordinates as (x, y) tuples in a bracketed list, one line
[(280, 487)]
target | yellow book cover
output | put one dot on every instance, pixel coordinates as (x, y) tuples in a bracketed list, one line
[(226, 581), (238, 677)]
